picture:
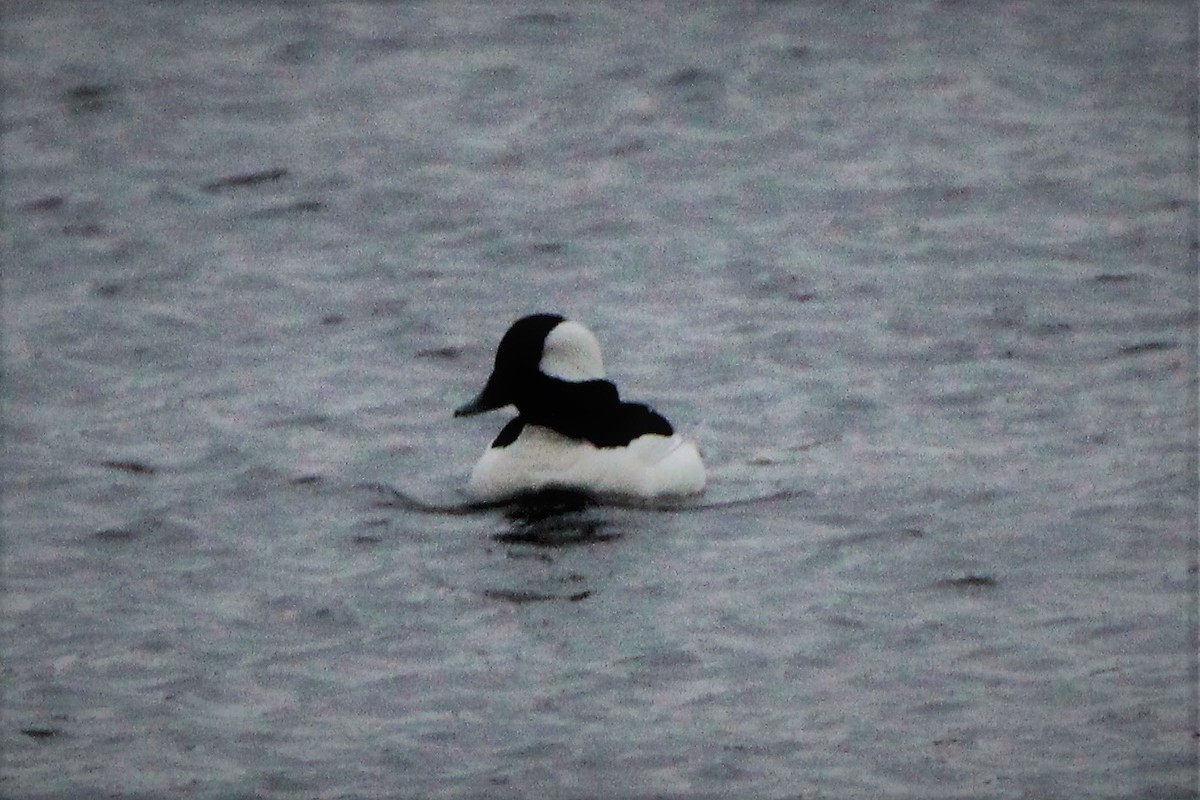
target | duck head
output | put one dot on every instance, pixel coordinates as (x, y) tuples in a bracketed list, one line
[(535, 349)]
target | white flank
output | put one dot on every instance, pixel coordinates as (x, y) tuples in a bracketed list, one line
[(650, 466)]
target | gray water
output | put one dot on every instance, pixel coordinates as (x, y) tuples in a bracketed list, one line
[(919, 278)]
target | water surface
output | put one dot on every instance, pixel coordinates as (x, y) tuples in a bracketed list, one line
[(921, 279)]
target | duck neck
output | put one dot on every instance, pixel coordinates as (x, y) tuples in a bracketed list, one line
[(572, 408)]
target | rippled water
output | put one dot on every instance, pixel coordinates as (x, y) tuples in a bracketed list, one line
[(921, 280)]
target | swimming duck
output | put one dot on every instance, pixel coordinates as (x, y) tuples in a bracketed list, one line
[(572, 430)]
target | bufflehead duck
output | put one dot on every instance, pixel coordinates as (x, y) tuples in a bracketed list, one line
[(572, 430)]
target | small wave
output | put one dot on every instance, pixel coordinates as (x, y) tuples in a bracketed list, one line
[(548, 502)]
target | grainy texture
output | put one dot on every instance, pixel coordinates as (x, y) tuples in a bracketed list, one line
[(924, 274)]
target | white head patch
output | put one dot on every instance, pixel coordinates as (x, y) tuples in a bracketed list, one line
[(572, 353)]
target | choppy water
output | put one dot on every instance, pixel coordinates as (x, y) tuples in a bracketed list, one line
[(923, 276)]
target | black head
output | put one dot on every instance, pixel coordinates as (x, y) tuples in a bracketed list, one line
[(516, 365), (550, 368)]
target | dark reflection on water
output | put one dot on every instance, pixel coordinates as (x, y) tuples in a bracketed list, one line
[(515, 596), (556, 518)]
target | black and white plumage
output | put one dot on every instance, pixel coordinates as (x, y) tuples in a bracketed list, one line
[(572, 429)]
